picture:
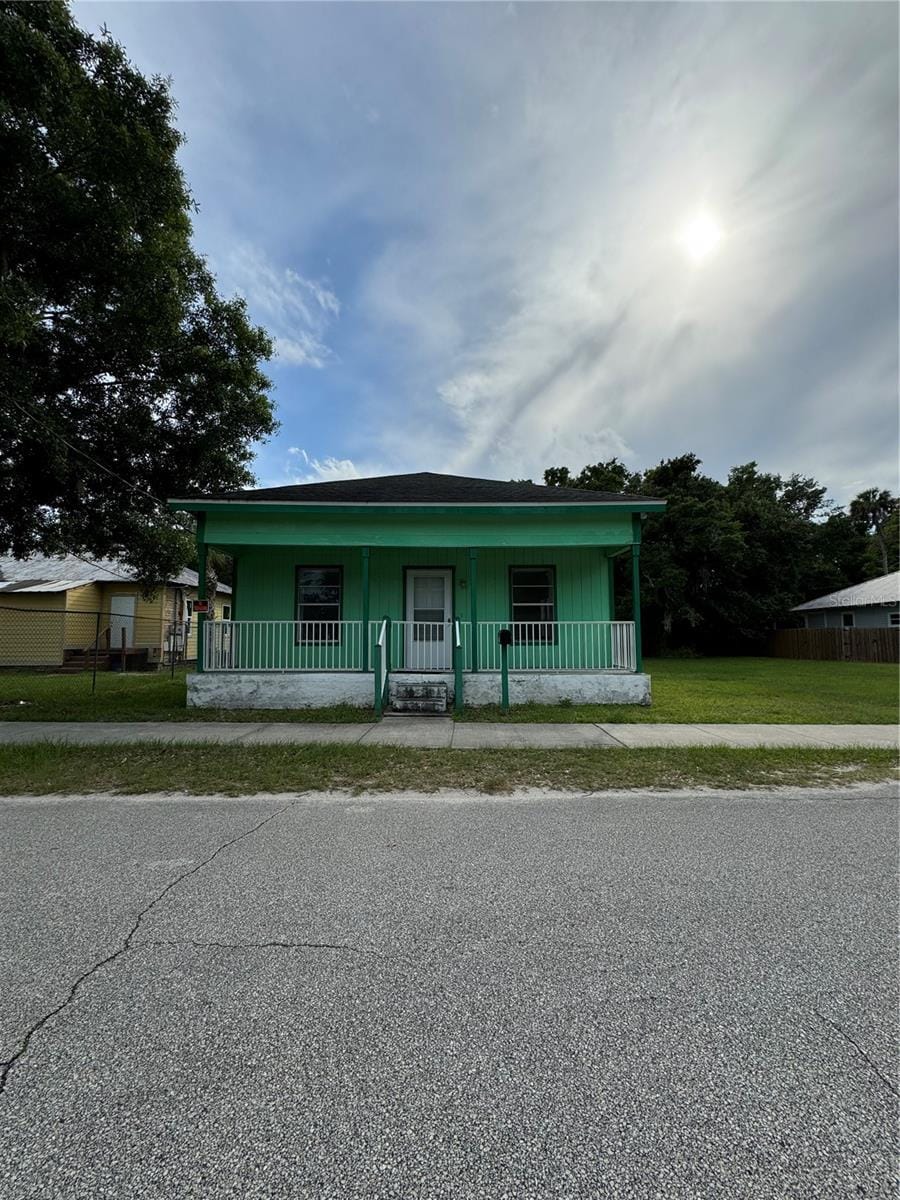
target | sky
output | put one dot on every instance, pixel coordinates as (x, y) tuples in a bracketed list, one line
[(489, 239)]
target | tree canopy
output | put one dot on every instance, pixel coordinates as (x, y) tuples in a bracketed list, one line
[(725, 562), (124, 377)]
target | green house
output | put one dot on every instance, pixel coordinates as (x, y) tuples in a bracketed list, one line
[(402, 590)]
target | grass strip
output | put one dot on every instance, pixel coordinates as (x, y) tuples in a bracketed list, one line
[(696, 691), (47, 767)]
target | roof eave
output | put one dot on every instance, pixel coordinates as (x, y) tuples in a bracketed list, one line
[(203, 505)]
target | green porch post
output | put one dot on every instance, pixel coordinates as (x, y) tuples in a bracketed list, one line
[(473, 604), (365, 608), (611, 586), (201, 583), (636, 589)]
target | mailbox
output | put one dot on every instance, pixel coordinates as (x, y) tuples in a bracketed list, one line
[(505, 637)]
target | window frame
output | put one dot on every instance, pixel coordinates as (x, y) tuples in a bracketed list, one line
[(848, 624), (554, 635), (893, 620), (306, 641)]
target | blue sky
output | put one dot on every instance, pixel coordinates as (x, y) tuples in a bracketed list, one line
[(468, 227)]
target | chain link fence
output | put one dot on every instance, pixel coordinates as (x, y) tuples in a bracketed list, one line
[(35, 637)]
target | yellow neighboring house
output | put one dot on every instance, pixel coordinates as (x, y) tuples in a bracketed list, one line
[(54, 610)]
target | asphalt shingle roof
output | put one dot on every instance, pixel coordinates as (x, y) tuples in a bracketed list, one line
[(426, 487)]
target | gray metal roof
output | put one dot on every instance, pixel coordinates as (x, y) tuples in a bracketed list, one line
[(883, 590), (39, 574)]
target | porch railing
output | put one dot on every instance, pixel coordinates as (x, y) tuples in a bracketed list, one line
[(380, 665), (283, 645), (418, 645), (559, 645)]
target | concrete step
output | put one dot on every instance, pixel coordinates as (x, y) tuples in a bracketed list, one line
[(417, 691), (426, 699), (422, 708)]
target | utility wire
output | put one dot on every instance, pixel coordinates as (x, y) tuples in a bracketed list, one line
[(101, 466)]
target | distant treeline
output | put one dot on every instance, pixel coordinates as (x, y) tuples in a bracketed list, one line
[(726, 562)]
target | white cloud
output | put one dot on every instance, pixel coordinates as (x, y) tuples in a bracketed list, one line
[(295, 310), (315, 470), (541, 304)]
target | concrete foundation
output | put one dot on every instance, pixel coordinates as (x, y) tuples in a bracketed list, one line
[(295, 689), (314, 689)]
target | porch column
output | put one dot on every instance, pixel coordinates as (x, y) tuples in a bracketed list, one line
[(611, 585), (473, 604), (365, 608), (636, 589), (201, 584)]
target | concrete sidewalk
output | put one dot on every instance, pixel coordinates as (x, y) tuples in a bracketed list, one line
[(444, 732)]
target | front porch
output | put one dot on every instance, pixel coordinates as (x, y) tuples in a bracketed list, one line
[(288, 664)]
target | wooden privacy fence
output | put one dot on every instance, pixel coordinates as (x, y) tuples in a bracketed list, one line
[(849, 645)]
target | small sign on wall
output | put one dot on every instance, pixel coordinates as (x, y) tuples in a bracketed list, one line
[(201, 606)]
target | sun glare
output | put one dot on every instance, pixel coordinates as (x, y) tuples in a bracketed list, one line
[(701, 237)]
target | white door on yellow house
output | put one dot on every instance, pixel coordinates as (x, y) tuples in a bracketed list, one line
[(121, 618), (429, 618)]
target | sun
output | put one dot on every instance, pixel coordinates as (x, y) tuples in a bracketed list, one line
[(701, 237)]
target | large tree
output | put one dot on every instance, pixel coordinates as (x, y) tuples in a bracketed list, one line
[(124, 377), (875, 512), (725, 562)]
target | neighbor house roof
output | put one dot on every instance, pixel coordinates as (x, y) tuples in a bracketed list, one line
[(424, 487), (883, 590), (40, 574)]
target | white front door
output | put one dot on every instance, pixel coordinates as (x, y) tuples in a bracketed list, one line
[(121, 616), (429, 619)]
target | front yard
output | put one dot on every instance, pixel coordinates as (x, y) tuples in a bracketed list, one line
[(685, 691), (753, 690)]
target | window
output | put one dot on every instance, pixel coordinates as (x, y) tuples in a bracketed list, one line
[(226, 612), (533, 603), (319, 598), (847, 620), (895, 618), (189, 608)]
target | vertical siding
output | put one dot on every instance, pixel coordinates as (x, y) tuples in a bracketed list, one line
[(267, 580), (268, 586), (82, 605)]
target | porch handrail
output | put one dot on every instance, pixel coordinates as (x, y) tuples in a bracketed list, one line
[(381, 665), (458, 665), (559, 645), (282, 646)]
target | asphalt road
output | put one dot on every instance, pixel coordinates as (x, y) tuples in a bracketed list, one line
[(643, 996)]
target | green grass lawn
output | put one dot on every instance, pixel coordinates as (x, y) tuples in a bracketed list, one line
[(751, 690), (141, 696), (684, 691), (46, 768)]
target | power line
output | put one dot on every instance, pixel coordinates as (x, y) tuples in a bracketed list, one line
[(101, 466)]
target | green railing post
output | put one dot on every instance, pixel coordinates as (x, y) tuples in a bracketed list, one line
[(473, 604), (379, 691), (458, 651), (504, 674), (636, 590), (201, 584), (365, 607)]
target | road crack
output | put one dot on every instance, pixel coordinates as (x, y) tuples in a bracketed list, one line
[(888, 1083), (127, 944), (277, 945)]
